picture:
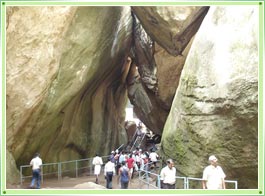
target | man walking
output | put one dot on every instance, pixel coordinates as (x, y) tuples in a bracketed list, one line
[(153, 158), (213, 175), (123, 176), (168, 175), (109, 172), (36, 163), (97, 162)]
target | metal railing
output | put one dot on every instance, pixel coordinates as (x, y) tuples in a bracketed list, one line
[(199, 185), (75, 168), (154, 180), (137, 140), (72, 168), (149, 179)]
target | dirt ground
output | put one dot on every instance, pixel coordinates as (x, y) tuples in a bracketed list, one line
[(80, 183)]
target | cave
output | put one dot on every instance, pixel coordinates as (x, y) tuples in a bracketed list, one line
[(189, 76)]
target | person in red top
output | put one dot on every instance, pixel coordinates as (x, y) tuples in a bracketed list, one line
[(130, 164)]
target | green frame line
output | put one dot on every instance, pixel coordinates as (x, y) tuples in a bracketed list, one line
[(3, 136), (170, 3), (261, 107), (132, 191), (259, 191)]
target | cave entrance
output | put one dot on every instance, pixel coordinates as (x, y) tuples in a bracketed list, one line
[(139, 135)]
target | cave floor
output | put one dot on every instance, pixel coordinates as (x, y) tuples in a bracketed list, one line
[(70, 183)]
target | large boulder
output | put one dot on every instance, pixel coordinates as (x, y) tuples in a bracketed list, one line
[(65, 94), (172, 27), (160, 50), (215, 109), (69, 71), (13, 176)]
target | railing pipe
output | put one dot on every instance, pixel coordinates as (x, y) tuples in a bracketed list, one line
[(185, 184), (147, 178), (21, 176), (120, 147), (41, 174), (142, 138), (232, 181), (59, 171), (90, 167), (200, 179), (158, 182), (76, 169)]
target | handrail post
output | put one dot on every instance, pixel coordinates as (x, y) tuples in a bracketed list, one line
[(90, 166), (76, 169), (235, 184), (188, 183), (59, 171), (41, 174), (139, 172), (185, 183), (21, 177), (147, 178), (158, 182)]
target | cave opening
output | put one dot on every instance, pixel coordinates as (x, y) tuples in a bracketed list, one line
[(138, 134)]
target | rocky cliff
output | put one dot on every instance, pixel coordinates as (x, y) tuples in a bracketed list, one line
[(71, 70), (65, 96), (215, 109), (162, 39)]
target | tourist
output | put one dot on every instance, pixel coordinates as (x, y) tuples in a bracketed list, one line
[(109, 172), (116, 159), (112, 155), (130, 163), (97, 162), (123, 176), (36, 164), (137, 160), (153, 158), (168, 175), (213, 175)]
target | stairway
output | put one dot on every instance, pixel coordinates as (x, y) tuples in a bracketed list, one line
[(137, 141)]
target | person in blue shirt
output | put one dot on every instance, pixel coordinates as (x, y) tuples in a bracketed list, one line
[(124, 176)]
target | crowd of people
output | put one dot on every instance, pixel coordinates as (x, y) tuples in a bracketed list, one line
[(125, 164)]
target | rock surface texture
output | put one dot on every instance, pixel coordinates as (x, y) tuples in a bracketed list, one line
[(191, 74), (65, 98), (215, 109), (159, 68)]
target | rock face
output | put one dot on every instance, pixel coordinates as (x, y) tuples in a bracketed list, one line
[(171, 27), (13, 175), (154, 83), (215, 109), (71, 70), (65, 96)]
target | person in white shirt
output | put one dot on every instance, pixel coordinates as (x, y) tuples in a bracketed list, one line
[(153, 158), (36, 164), (109, 172), (168, 175), (97, 161), (213, 175)]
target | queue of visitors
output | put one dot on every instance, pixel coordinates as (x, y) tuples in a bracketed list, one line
[(125, 164)]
